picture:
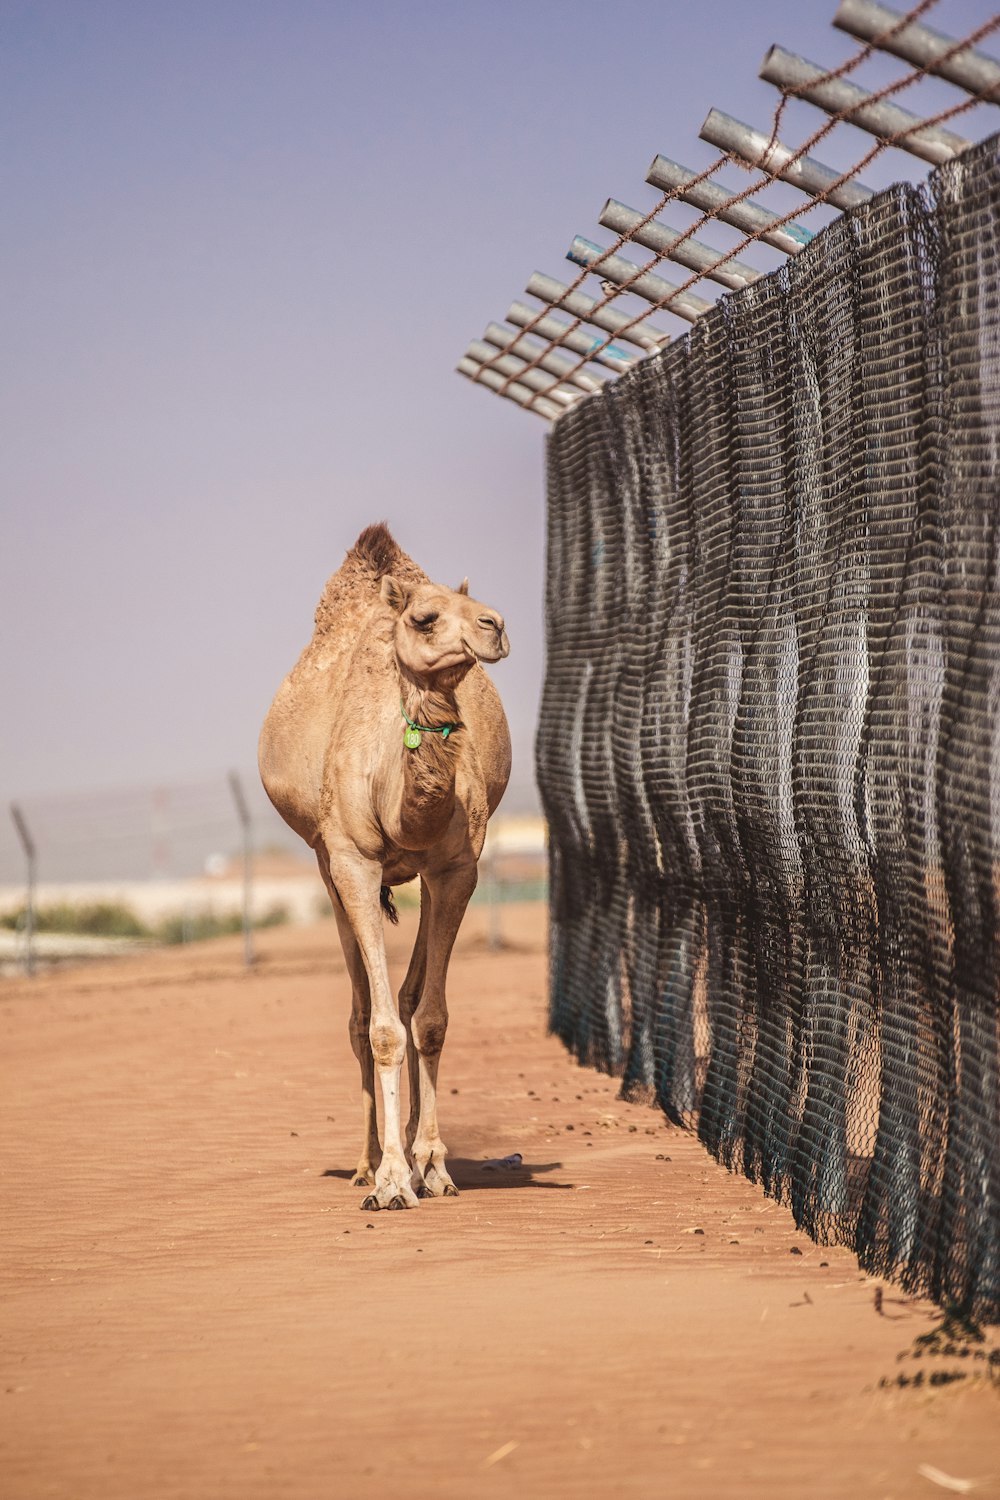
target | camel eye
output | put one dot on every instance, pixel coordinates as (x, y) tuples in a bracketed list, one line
[(424, 622)]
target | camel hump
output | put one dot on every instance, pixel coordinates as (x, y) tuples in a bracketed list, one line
[(378, 549), (356, 583)]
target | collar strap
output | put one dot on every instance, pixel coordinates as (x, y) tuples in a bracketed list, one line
[(411, 738)]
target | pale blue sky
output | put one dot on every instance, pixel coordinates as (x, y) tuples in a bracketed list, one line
[(244, 246)]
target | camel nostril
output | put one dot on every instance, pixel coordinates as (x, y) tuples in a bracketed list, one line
[(491, 622)]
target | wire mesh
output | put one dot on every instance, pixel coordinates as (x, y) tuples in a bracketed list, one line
[(769, 746), (140, 832)]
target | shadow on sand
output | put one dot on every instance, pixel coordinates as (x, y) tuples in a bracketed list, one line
[(474, 1176)]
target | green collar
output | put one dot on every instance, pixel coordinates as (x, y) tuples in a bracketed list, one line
[(412, 735)]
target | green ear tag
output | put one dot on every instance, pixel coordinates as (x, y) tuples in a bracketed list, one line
[(411, 739)]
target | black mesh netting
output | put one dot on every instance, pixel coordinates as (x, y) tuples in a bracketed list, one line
[(769, 747)]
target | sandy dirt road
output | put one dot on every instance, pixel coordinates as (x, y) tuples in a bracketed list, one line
[(195, 1306)]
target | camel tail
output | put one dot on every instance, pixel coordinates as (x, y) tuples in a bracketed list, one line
[(388, 904)]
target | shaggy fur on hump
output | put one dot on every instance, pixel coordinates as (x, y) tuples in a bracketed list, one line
[(375, 553), (378, 548)]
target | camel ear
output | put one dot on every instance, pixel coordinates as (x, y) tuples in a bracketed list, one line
[(394, 593), (463, 587)]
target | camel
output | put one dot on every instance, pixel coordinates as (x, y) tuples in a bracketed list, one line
[(387, 750)]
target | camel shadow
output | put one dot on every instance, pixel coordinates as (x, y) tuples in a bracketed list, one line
[(472, 1175), (475, 1176)]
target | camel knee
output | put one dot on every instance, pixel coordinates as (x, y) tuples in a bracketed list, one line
[(429, 1033), (388, 1042)]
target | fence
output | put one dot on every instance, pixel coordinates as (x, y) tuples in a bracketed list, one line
[(769, 748), (138, 848), (158, 831), (185, 858)]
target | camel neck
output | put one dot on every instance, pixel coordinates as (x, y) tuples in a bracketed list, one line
[(415, 729), (430, 759), (430, 708)]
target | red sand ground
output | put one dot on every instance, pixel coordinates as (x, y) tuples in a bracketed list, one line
[(194, 1306)]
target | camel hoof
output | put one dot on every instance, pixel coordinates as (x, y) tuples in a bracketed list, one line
[(397, 1202), (362, 1180), (450, 1190), (423, 1191), (370, 1204)]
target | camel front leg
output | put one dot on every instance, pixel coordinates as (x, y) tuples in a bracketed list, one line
[(359, 1025), (358, 882), (448, 896), (371, 1149)]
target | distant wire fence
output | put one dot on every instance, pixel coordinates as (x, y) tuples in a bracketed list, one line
[(769, 745), (172, 856), (152, 833), (155, 831)]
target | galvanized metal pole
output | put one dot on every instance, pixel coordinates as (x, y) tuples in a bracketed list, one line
[(243, 813), (509, 364), (530, 349), (493, 890), (558, 294), (970, 69), (648, 285), (711, 198), (755, 147), (494, 381), (878, 117), (694, 254), (549, 327), (28, 845)]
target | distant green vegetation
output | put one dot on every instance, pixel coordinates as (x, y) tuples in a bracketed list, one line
[(98, 919), (115, 920), (511, 890), (195, 928)]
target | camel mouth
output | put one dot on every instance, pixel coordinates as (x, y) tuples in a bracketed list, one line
[(466, 653), (498, 648)]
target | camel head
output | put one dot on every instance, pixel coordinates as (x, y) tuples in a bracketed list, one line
[(439, 633)]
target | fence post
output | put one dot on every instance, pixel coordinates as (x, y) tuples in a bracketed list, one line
[(493, 889), (28, 845), (243, 813)]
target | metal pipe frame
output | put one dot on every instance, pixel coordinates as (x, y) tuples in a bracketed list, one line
[(713, 199), (493, 381), (807, 174), (509, 364), (549, 327), (970, 69), (694, 254), (879, 118), (530, 349), (557, 294), (653, 288)]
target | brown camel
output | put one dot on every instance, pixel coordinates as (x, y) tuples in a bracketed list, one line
[(387, 750)]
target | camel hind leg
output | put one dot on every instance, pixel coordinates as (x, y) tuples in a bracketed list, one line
[(409, 999), (447, 895)]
